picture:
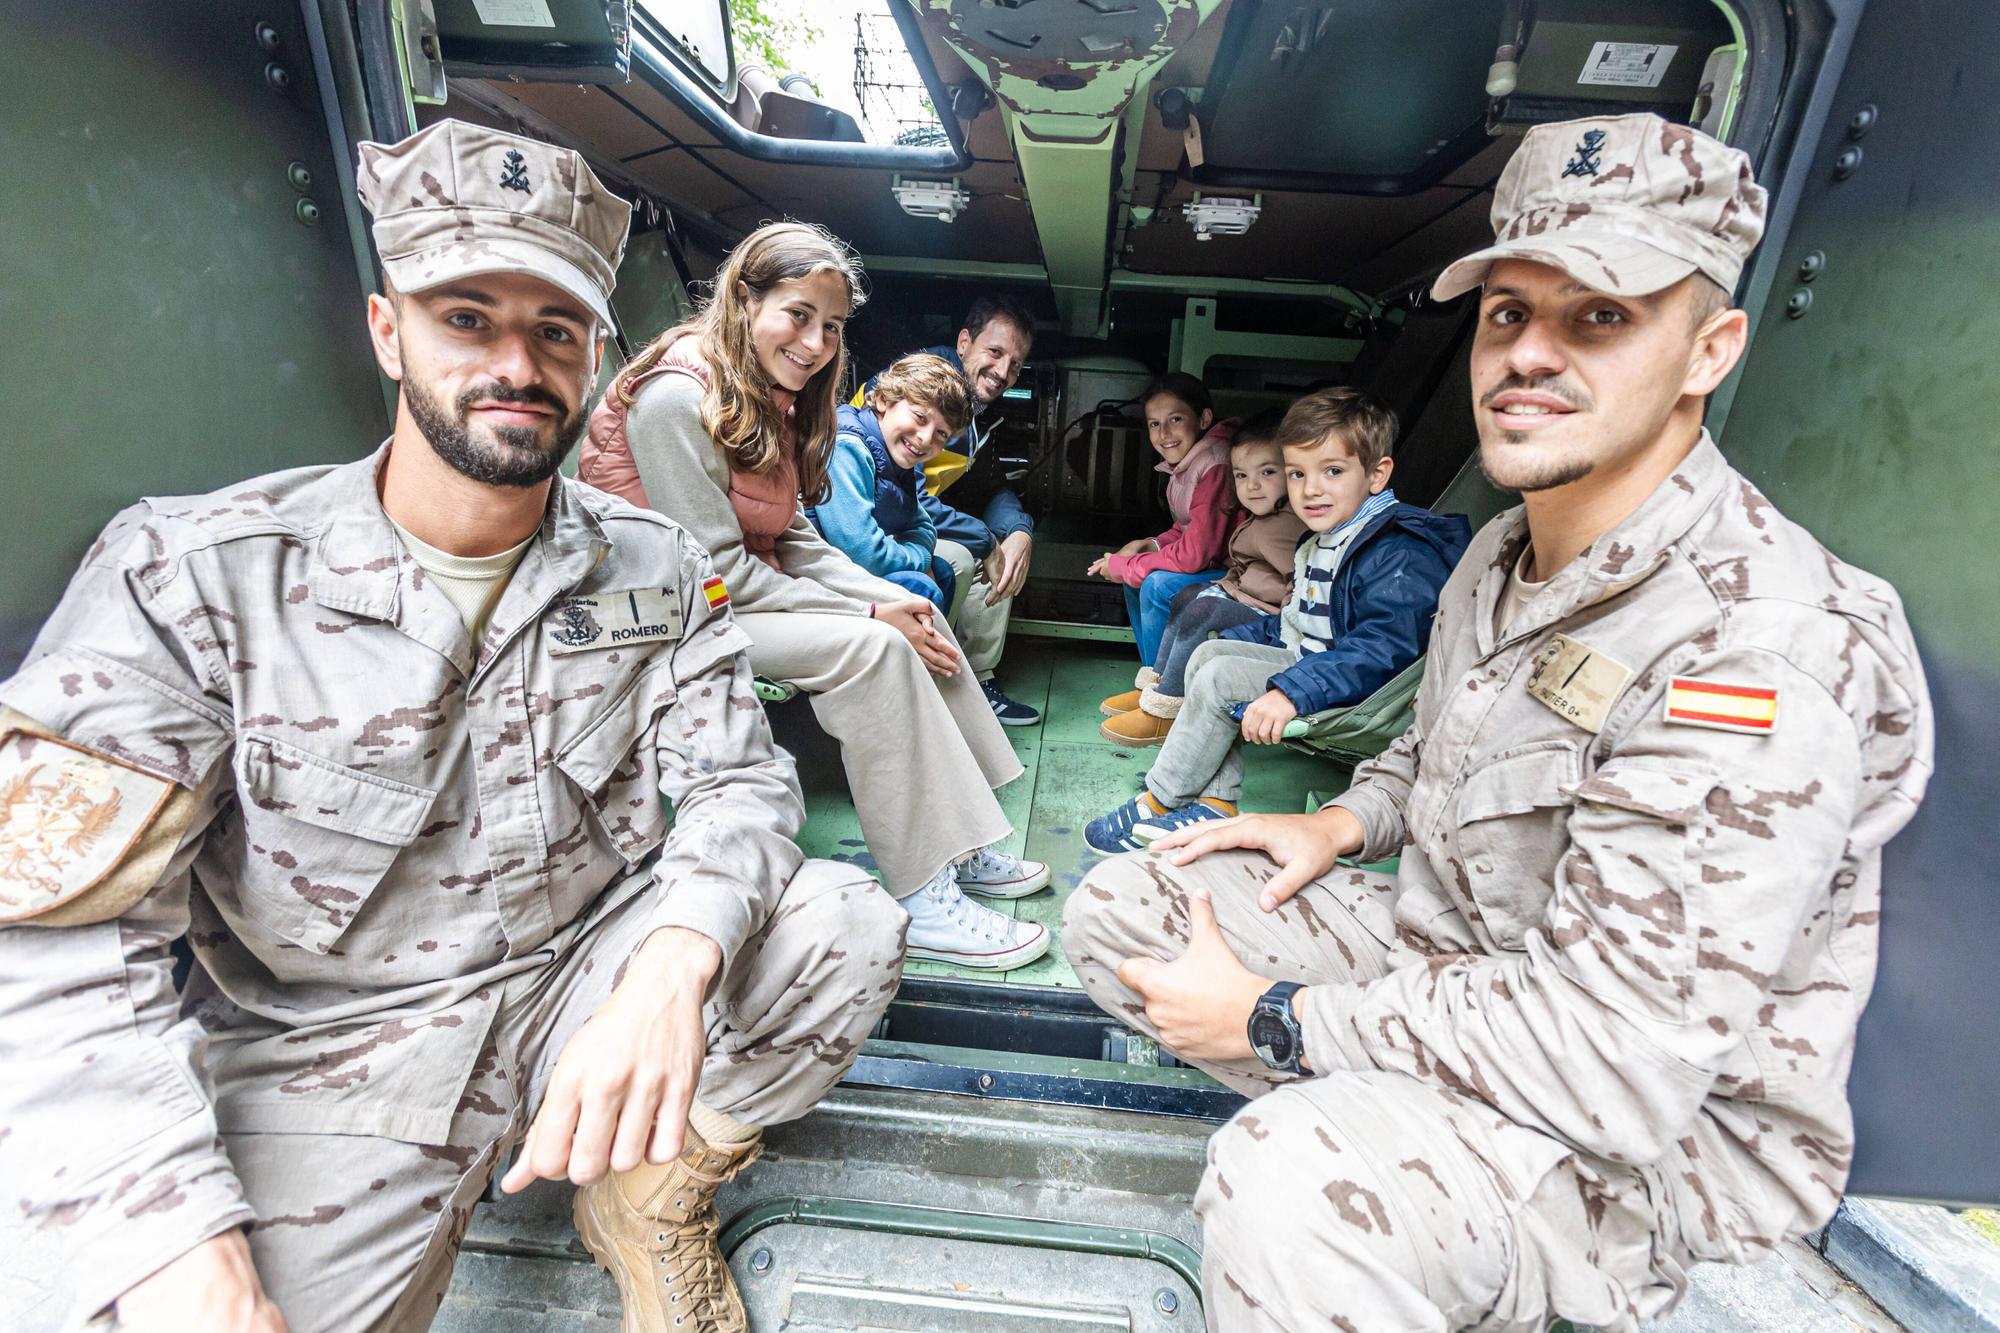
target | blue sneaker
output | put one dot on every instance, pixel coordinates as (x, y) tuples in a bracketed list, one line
[(1194, 812), (1113, 832), (1008, 712)]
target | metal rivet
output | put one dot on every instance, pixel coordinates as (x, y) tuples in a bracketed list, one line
[(1812, 266), (1166, 1302), (760, 1262), (278, 76), (307, 212), (299, 176), (986, 1082), (1862, 121), (1800, 302), (1845, 165), (267, 37)]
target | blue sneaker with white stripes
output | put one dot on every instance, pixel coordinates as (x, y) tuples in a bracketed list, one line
[(1113, 832), (1194, 812)]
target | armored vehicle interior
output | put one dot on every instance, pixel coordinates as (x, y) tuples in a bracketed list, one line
[(1257, 192)]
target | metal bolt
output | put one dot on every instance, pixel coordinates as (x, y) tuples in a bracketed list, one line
[(760, 1262), (1800, 302), (267, 37), (1166, 1302), (1862, 121), (307, 212), (1846, 164), (1812, 266), (278, 77), (986, 1082), (299, 176)]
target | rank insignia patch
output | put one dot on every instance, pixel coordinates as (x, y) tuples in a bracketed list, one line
[(1726, 707), (715, 592)]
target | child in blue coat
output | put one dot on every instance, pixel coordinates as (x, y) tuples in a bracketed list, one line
[(1365, 585), (873, 510)]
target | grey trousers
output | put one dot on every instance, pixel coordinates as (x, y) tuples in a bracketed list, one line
[(355, 1232), (923, 753), (1366, 1200), (1203, 754), (982, 629)]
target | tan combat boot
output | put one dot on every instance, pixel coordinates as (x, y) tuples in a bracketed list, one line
[(653, 1229)]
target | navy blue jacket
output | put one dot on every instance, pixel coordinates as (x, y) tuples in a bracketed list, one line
[(1001, 513), (1384, 599)]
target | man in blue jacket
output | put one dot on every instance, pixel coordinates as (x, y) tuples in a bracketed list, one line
[(1365, 585), (983, 532)]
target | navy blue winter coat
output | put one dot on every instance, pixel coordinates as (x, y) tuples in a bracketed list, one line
[(1383, 601)]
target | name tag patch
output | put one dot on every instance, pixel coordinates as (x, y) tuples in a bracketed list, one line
[(614, 620), (1721, 705), (1577, 681)]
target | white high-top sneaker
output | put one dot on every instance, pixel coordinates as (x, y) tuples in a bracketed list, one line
[(992, 873), (948, 927)]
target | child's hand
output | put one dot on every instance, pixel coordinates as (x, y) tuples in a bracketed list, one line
[(1100, 568), (1139, 546), (1264, 720)]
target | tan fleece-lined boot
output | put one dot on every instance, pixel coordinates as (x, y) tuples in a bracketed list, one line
[(1148, 724), (1126, 702), (653, 1229)]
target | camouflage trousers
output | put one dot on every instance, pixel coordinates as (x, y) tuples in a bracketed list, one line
[(1370, 1201), (356, 1232)]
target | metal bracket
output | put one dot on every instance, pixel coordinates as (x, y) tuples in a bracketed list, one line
[(941, 200), (1221, 217)]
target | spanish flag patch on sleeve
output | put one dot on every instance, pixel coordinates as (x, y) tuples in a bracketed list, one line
[(717, 595), (1718, 704)]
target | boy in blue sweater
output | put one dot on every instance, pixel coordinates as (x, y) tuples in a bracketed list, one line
[(1365, 584), (874, 511)]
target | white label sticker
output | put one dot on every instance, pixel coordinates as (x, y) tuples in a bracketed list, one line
[(1627, 64), (514, 13)]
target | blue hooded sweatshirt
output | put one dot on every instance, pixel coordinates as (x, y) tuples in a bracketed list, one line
[(1381, 604), (1002, 513), (872, 510)]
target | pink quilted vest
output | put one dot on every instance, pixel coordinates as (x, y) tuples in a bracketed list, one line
[(765, 506)]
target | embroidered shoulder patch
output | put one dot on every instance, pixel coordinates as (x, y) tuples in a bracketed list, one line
[(68, 817), (1724, 706), (713, 589)]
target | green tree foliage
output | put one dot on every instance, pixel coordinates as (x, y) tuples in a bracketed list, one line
[(769, 32)]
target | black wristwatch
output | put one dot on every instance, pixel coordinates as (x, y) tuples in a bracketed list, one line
[(1274, 1031)]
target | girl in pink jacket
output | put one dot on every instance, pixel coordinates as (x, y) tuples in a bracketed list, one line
[(1194, 453)]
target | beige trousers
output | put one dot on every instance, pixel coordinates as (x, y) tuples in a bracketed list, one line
[(355, 1232), (1370, 1201), (922, 752), (982, 629)]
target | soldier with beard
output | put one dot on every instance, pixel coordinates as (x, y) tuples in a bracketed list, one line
[(386, 744)]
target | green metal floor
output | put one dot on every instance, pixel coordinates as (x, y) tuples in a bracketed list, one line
[(1073, 775)]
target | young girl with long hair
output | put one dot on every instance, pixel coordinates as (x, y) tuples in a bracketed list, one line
[(722, 424)]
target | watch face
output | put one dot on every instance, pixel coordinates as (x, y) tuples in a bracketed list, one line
[(1272, 1039)]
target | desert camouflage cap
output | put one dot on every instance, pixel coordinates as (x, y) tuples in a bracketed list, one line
[(454, 200), (1624, 204)]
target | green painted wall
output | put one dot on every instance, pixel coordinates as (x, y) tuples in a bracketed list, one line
[(170, 325)]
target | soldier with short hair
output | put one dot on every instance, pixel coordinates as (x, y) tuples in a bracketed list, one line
[(1597, 1026), (386, 743)]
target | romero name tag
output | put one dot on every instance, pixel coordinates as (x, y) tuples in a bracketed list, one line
[(1577, 681), (614, 620), (68, 816)]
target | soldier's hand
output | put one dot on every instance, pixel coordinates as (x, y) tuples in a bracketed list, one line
[(1264, 720), (912, 619), (1199, 1003), (213, 1288), (1304, 846), (620, 1090)]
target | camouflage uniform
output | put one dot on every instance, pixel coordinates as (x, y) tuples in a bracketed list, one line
[(415, 864), (1598, 1024)]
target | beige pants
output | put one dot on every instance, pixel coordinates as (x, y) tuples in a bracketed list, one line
[(922, 752), (982, 629), (1370, 1201), (355, 1232)]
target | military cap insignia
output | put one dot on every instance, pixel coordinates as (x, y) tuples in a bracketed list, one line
[(1585, 163), (68, 816), (1725, 707), (514, 174)]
